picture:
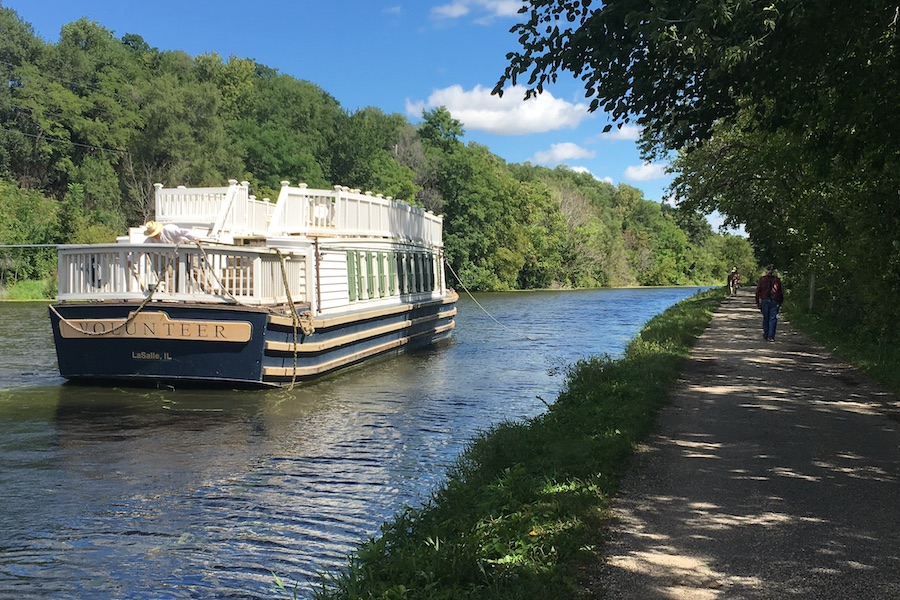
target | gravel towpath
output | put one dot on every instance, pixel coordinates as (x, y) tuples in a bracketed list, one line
[(775, 474)]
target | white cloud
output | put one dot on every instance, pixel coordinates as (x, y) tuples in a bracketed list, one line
[(486, 9), (646, 172), (478, 110), (628, 133), (559, 153), (608, 180), (453, 10)]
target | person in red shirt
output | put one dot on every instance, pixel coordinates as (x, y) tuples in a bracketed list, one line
[(769, 296)]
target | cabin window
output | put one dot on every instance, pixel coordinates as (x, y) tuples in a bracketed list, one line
[(360, 276), (423, 274), (429, 262), (372, 274), (437, 265), (410, 273), (415, 272), (358, 266)]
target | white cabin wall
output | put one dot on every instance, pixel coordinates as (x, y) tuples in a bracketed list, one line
[(334, 291)]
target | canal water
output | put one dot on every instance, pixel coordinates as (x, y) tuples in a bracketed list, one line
[(115, 492)]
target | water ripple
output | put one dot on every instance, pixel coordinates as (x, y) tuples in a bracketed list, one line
[(118, 492)]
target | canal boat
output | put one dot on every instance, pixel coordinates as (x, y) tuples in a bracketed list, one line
[(264, 293)]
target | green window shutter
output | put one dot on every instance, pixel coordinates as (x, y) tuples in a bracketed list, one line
[(382, 275), (351, 274), (359, 275), (392, 272), (370, 274)]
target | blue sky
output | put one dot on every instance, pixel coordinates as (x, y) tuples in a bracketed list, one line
[(401, 56)]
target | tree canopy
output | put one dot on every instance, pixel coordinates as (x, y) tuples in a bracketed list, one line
[(782, 114), (90, 123)]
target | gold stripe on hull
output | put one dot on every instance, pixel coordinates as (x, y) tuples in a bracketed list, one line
[(350, 338), (282, 372)]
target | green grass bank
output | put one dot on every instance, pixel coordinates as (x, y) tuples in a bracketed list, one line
[(875, 354), (28, 289), (524, 506)]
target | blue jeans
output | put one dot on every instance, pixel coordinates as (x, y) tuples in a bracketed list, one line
[(769, 309)]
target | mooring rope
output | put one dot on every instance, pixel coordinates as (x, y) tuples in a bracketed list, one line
[(209, 269), (296, 321), (530, 339), (131, 316)]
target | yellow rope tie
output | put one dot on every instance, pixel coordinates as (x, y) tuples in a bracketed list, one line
[(295, 318), (306, 323)]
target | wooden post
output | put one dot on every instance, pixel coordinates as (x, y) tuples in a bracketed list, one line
[(812, 290)]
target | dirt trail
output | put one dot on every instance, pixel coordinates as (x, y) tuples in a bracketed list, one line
[(775, 474)]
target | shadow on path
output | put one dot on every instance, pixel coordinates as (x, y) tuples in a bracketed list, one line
[(775, 473)]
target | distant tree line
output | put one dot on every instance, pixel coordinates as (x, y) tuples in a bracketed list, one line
[(783, 114), (88, 124)]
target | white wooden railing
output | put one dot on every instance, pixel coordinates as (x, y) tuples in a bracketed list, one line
[(230, 210), (342, 211), (194, 207), (212, 274), (299, 211)]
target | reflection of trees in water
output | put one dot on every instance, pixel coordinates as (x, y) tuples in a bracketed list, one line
[(27, 356), (181, 433), (160, 441)]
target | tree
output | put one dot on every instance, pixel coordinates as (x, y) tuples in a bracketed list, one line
[(18, 48), (182, 139), (410, 151), (287, 132), (678, 68), (29, 217), (362, 156), (784, 113), (440, 130)]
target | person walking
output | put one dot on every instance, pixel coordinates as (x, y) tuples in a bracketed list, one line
[(769, 296), (734, 280)]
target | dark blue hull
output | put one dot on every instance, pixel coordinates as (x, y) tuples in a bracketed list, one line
[(230, 345), (122, 357)]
